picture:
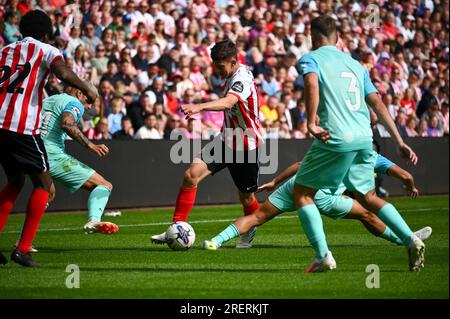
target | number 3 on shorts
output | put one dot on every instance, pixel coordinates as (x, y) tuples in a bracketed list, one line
[(352, 89)]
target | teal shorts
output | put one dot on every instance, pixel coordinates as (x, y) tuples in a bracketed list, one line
[(333, 205), (68, 171), (325, 169)]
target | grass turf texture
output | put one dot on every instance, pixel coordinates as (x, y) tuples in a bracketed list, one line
[(126, 265)]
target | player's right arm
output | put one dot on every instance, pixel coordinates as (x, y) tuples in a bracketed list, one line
[(310, 70), (65, 74), (385, 166), (407, 179), (70, 126), (287, 173)]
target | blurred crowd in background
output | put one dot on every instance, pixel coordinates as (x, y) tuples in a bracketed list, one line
[(149, 57)]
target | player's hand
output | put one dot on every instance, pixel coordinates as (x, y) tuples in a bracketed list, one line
[(407, 154), (319, 133), (91, 95), (101, 149), (190, 109), (412, 191), (266, 187)]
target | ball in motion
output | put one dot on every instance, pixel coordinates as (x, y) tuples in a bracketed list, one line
[(180, 236)]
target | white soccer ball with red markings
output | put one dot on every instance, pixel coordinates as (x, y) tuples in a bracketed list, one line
[(180, 236)]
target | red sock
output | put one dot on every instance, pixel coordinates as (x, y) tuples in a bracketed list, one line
[(185, 202), (35, 210), (8, 196), (250, 209)]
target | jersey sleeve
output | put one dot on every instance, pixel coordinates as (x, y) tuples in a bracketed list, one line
[(369, 88), (51, 54), (382, 164), (307, 64), (75, 108), (241, 88)]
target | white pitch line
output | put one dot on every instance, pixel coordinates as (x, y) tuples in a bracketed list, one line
[(197, 222)]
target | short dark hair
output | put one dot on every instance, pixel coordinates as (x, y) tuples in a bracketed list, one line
[(224, 50), (324, 25), (36, 24)]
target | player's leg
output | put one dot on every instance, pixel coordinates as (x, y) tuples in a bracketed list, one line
[(34, 212), (31, 156), (8, 196), (250, 205), (100, 190), (338, 206), (372, 223), (360, 181), (193, 176), (245, 176), (320, 169), (313, 227), (187, 193), (52, 194), (242, 225)]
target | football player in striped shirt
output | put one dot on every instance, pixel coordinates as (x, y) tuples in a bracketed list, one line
[(24, 69), (235, 148)]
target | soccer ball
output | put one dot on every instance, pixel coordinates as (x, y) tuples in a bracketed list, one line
[(180, 236)]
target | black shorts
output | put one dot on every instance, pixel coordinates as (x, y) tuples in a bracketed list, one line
[(20, 153), (242, 165)]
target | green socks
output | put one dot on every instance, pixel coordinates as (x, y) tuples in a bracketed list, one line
[(228, 233), (97, 201), (312, 225), (389, 235), (391, 217)]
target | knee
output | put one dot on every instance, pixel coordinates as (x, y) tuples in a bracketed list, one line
[(259, 218), (369, 198), (190, 178), (106, 184), (246, 198), (52, 194)]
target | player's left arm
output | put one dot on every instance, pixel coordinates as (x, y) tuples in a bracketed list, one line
[(385, 166), (284, 175), (374, 101), (407, 179), (222, 104), (70, 126)]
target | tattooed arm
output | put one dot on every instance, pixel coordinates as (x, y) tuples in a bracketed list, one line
[(69, 125)]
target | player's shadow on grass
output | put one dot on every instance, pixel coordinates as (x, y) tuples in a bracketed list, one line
[(52, 250), (306, 246), (177, 270)]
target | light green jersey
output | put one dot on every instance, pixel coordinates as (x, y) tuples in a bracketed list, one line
[(343, 85), (51, 131)]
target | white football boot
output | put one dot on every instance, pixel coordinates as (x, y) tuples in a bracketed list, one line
[(416, 253), (322, 265), (159, 239), (424, 233), (247, 238)]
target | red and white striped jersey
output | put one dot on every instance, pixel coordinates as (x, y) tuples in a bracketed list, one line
[(24, 69), (243, 116)]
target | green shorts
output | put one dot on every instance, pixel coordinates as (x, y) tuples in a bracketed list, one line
[(324, 169), (68, 171), (333, 205)]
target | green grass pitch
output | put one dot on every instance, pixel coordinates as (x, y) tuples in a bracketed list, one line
[(126, 265)]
